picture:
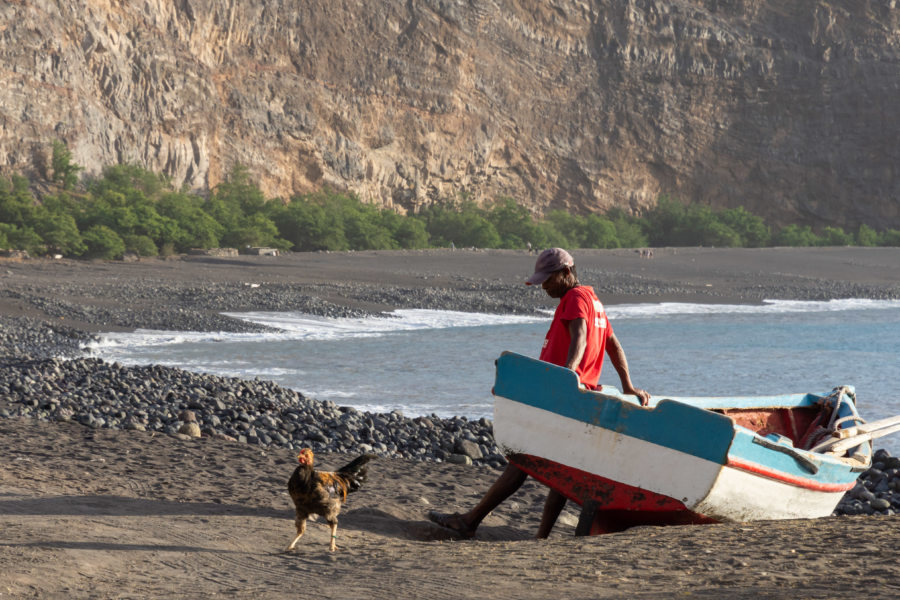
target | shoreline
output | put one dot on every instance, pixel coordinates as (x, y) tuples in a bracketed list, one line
[(93, 511), (89, 295)]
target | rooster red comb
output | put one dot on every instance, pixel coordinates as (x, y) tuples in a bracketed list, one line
[(305, 457)]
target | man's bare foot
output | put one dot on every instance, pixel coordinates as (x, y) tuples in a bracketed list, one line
[(452, 522)]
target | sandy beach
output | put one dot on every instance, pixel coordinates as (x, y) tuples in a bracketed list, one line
[(103, 513)]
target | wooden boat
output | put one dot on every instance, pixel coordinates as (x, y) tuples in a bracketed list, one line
[(679, 460)]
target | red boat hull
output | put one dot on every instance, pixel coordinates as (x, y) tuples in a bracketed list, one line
[(609, 506)]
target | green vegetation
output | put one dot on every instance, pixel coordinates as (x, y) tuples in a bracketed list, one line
[(130, 209), (65, 171)]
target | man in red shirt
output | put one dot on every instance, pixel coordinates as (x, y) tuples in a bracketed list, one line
[(578, 337)]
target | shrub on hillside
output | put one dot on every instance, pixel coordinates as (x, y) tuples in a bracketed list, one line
[(834, 236), (795, 235), (59, 232), (130, 208), (141, 245), (102, 242), (463, 227)]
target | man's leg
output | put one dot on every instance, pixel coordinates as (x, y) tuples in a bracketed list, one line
[(552, 507), (465, 524)]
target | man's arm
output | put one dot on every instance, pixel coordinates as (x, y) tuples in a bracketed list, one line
[(577, 344), (617, 357)]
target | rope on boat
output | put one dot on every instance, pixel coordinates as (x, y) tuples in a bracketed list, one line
[(837, 439), (842, 392), (823, 437)]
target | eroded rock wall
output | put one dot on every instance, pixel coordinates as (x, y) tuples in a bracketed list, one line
[(787, 108)]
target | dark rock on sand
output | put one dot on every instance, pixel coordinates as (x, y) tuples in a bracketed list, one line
[(877, 491), (32, 338), (156, 398)]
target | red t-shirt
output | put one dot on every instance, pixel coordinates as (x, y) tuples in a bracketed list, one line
[(578, 303)]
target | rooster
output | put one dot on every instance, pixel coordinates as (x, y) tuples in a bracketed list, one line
[(323, 492)]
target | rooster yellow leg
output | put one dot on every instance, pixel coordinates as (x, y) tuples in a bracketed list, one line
[(301, 529), (333, 536)]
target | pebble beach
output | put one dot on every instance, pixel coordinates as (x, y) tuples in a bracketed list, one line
[(154, 434)]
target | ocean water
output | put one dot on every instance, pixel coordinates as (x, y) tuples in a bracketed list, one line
[(424, 362)]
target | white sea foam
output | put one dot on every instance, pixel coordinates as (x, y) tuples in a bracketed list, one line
[(298, 326), (330, 394), (289, 326), (768, 307), (108, 342), (307, 327)]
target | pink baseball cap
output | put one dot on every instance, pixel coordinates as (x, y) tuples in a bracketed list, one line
[(549, 261)]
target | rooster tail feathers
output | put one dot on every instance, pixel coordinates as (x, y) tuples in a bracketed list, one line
[(356, 464), (356, 471)]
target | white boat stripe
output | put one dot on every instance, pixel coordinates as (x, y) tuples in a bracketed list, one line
[(741, 496), (638, 463)]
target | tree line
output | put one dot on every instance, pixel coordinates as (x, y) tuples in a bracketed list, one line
[(130, 209)]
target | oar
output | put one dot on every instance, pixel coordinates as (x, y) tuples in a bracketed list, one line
[(866, 427), (837, 445)]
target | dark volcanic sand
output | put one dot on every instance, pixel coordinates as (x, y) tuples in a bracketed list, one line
[(129, 514)]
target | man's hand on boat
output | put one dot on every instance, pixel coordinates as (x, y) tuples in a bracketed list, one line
[(643, 396)]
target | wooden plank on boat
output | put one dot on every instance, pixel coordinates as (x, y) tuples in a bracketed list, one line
[(842, 445), (867, 427)]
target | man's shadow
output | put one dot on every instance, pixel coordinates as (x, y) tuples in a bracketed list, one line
[(383, 523)]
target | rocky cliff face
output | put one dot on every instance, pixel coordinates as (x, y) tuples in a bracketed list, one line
[(787, 108)]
